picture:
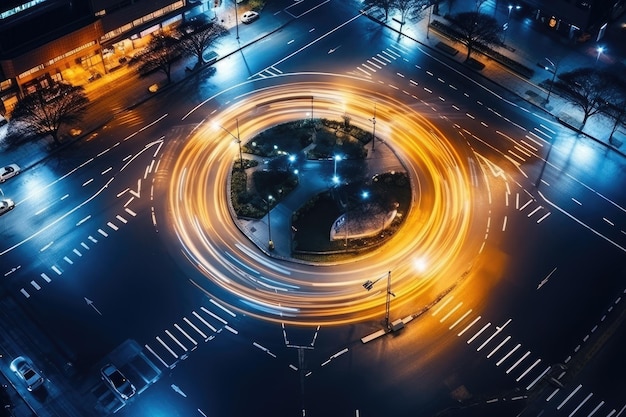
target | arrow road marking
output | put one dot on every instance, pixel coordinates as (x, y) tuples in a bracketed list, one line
[(90, 303), (138, 192), (545, 280), (331, 50), (178, 390)]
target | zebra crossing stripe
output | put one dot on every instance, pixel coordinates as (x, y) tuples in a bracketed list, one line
[(156, 356), (45, 277), (176, 340), (166, 347), (26, 294), (207, 324), (193, 326), (35, 285)]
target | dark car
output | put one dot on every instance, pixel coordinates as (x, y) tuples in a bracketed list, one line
[(116, 380)]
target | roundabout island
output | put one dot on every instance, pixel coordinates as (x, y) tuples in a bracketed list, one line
[(296, 234)]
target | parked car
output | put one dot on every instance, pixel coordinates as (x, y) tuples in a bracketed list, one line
[(116, 380), (25, 370), (9, 171), (6, 204), (249, 16)]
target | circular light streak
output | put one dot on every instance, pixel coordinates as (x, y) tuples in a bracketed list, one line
[(436, 229)]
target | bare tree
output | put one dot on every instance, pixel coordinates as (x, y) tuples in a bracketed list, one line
[(616, 102), (588, 89), (196, 36), (159, 55), (477, 29), (409, 8), (44, 111)]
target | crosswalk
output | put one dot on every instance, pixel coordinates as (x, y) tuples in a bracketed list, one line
[(518, 361), (270, 71), (379, 61), (58, 268), (175, 344)]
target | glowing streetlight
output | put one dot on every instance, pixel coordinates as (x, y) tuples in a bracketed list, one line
[(337, 158), (270, 243), (600, 49)]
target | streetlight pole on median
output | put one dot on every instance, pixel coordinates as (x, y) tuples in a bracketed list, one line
[(270, 243), (368, 286), (373, 120), (237, 138)]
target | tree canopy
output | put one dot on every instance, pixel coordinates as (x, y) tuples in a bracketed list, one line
[(44, 111), (589, 89), (477, 29), (196, 36), (159, 55)]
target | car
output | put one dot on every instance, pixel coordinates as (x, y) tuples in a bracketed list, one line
[(9, 171), (25, 370), (249, 16), (116, 380), (6, 204)]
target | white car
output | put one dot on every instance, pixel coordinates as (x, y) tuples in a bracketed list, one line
[(116, 380), (25, 370), (8, 172), (6, 205), (249, 16)]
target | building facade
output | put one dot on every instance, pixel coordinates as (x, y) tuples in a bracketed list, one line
[(583, 20), (76, 41)]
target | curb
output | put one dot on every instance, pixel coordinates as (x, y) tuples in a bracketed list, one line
[(547, 112)]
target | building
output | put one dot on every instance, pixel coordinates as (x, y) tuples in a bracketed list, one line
[(577, 19), (76, 41)]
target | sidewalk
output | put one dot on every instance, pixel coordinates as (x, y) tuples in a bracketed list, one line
[(527, 43), (521, 37)]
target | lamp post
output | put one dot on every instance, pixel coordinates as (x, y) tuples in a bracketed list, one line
[(600, 49), (373, 120), (554, 69), (335, 177), (237, 138), (270, 243), (430, 9), (368, 286), (236, 19)]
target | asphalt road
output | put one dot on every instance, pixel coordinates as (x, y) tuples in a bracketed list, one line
[(97, 261)]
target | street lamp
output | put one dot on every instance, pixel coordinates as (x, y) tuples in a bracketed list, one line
[(236, 19), (430, 9), (237, 138), (554, 69), (335, 177), (270, 243), (368, 286), (600, 49), (373, 120)]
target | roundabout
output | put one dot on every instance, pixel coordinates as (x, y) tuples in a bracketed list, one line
[(437, 242)]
